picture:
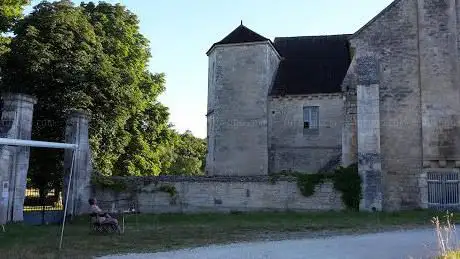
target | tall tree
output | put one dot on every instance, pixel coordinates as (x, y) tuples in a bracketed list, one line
[(189, 155), (90, 57), (93, 57), (52, 55), (10, 13), (127, 52)]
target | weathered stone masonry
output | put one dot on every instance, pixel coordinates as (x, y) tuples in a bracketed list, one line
[(216, 194), (240, 76), (80, 189), (255, 104), (16, 122), (416, 43), (293, 148), (369, 164), (397, 126)]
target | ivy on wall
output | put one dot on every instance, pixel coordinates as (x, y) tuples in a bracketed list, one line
[(171, 189), (345, 180), (348, 182)]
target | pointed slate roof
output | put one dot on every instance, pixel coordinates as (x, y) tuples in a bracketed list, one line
[(311, 64), (241, 34)]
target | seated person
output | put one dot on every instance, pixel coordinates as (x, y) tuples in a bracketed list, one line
[(103, 218)]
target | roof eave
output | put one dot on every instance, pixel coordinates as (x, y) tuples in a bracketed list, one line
[(346, 35), (215, 45)]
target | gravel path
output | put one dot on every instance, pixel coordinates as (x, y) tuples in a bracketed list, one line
[(389, 245)]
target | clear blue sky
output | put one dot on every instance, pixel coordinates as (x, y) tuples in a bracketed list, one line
[(181, 31)]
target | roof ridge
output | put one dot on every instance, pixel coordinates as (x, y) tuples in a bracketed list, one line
[(314, 36)]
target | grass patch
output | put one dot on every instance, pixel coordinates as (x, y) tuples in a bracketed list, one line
[(150, 233), (451, 255)]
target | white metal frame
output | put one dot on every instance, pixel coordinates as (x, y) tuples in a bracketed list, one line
[(33, 143)]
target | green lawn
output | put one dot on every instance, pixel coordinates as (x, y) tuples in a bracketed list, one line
[(147, 233)]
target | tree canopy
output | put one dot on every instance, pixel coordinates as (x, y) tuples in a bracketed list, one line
[(10, 13), (92, 57)]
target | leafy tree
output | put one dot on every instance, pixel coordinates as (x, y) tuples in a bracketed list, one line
[(93, 57), (10, 13), (189, 155), (52, 56), (133, 91), (149, 151)]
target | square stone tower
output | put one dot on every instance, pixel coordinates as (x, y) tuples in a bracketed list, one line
[(241, 70)]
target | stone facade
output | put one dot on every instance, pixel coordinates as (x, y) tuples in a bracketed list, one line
[(292, 147), (250, 133), (416, 43), (400, 110), (400, 122), (239, 81), (216, 194)]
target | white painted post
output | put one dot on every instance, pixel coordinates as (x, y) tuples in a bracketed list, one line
[(67, 199)]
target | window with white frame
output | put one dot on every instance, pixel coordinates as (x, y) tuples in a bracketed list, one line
[(311, 117)]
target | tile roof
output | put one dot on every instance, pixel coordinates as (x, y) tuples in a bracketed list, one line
[(311, 64)]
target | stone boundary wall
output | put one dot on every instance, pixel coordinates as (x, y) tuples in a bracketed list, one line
[(215, 194)]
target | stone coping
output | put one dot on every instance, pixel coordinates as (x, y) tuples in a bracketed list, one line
[(71, 113), (175, 178), (19, 97)]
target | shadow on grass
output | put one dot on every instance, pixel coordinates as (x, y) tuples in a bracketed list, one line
[(150, 233)]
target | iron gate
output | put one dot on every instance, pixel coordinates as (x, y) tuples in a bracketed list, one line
[(42, 209), (443, 190)]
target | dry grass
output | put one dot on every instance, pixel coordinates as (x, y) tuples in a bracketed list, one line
[(448, 244), (149, 233), (452, 255)]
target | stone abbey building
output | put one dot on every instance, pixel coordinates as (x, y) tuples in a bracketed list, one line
[(386, 97)]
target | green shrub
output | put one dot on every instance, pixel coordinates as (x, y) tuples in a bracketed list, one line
[(171, 189), (345, 180), (348, 182)]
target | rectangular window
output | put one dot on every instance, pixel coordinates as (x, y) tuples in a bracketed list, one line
[(311, 117)]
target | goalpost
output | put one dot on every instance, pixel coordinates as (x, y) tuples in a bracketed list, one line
[(55, 145)]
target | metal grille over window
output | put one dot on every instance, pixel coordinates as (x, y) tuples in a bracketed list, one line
[(443, 190)]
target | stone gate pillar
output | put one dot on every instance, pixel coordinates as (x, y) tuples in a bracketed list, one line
[(368, 117), (15, 123), (80, 189)]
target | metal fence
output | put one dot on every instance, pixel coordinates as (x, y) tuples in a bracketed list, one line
[(42, 209), (443, 190)]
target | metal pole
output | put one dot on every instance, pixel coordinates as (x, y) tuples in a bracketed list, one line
[(34, 143), (77, 168), (67, 197)]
